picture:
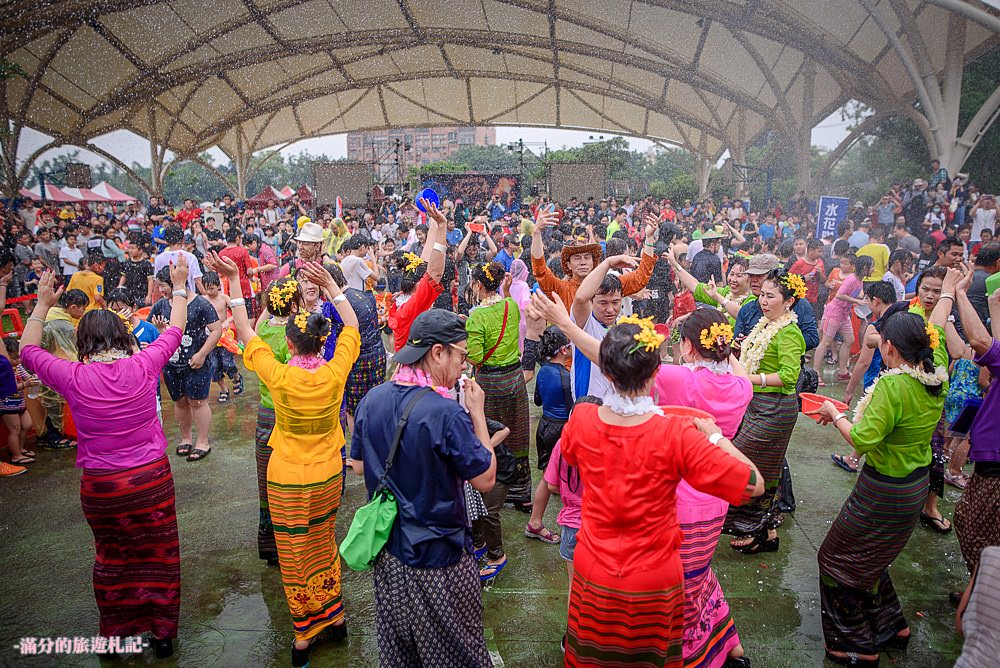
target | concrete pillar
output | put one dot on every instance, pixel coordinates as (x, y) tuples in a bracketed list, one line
[(803, 143)]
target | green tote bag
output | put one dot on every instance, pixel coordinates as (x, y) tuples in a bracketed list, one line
[(373, 521)]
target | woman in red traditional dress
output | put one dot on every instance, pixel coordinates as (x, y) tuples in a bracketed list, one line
[(627, 598)]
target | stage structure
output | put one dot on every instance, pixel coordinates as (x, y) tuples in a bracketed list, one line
[(576, 179), (472, 187), (350, 181)]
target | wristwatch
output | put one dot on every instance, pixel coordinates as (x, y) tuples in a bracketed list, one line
[(339, 298)]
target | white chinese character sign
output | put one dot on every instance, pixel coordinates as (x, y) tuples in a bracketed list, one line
[(832, 212)]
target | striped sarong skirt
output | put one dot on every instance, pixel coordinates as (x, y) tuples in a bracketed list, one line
[(266, 548), (137, 568), (609, 626), (763, 437), (859, 604), (976, 514), (304, 516), (507, 402), (367, 372)]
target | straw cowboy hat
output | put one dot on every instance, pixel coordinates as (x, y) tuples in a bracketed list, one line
[(577, 249)]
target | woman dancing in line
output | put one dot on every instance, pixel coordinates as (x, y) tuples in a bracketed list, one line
[(626, 602), (281, 300), (771, 354), (493, 328), (305, 473), (126, 490), (892, 426)]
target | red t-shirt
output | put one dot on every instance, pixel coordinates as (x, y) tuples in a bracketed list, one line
[(241, 256), (812, 274), (401, 317), (186, 216)]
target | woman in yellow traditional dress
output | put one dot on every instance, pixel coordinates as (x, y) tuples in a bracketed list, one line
[(305, 473)]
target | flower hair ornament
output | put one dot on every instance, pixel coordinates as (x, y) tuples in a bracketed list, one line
[(281, 295), (413, 262), (648, 338), (126, 321), (488, 272), (795, 284), (302, 322), (718, 336), (933, 335)]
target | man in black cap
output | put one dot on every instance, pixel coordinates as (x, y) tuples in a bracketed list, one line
[(428, 601)]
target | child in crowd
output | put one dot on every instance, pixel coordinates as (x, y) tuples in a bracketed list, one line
[(837, 314), (223, 360), (13, 410)]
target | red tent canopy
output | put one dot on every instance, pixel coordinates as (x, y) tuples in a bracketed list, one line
[(305, 195), (268, 193), (111, 194), (30, 194), (287, 192), (85, 195), (54, 194)]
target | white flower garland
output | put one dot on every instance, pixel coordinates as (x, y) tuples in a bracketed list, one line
[(630, 406), (718, 368), (939, 376), (760, 337)]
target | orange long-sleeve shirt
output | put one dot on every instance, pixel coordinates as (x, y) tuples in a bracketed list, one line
[(566, 288)]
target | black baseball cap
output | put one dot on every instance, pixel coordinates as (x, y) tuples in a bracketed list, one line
[(431, 327)]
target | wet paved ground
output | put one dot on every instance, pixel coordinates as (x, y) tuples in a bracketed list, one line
[(233, 611)]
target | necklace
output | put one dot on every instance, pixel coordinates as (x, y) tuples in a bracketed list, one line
[(939, 376), (631, 406), (491, 300), (308, 362), (106, 356), (760, 337), (718, 368)]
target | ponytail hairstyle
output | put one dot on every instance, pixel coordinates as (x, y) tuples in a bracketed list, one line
[(308, 332), (907, 332), (412, 268), (552, 341), (709, 332), (490, 274)]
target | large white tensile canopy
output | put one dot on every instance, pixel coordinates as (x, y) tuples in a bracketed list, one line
[(712, 75)]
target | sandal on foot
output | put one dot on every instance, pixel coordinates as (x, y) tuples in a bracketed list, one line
[(842, 462), (300, 657), (757, 545), (198, 454), (936, 523), (184, 449), (852, 660), (490, 571), (737, 662), (954, 479), (479, 552), (238, 386), (27, 453), (542, 534), (22, 460), (223, 397)]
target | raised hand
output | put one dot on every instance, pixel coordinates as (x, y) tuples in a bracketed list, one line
[(222, 265), (179, 271), (623, 262), (47, 295), (553, 310), (316, 274), (433, 212)]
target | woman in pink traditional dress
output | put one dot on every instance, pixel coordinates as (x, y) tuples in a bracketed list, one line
[(712, 380)]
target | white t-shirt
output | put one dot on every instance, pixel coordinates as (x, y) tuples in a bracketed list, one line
[(586, 377), (194, 269), (74, 255), (897, 284), (985, 219), (356, 270)]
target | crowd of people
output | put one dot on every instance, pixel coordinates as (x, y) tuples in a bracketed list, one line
[(406, 342)]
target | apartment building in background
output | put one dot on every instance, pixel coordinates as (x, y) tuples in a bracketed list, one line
[(391, 153)]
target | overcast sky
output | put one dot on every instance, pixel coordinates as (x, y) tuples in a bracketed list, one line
[(131, 148)]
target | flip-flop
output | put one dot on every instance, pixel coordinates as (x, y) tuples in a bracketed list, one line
[(184, 449), (542, 534), (841, 461), (490, 571), (27, 453), (478, 552), (22, 460), (936, 523), (198, 454)]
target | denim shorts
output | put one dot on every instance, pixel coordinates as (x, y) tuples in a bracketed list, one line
[(567, 542), (185, 382)]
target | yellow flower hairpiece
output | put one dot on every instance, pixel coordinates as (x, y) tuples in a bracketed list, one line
[(413, 262), (648, 338), (281, 295), (126, 321), (795, 283), (934, 336), (711, 337), (302, 320), (488, 272)]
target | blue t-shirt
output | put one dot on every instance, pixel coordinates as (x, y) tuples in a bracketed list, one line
[(549, 393), (438, 451), (505, 259), (454, 237), (145, 333), (765, 230)]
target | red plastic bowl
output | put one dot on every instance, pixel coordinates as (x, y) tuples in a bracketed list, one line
[(811, 402), (685, 411)]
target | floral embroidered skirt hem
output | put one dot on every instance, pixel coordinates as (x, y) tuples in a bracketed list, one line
[(137, 568), (303, 501)]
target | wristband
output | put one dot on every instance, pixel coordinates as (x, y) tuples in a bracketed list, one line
[(651, 245), (339, 299), (763, 380), (947, 295), (837, 417), (180, 293), (440, 247), (715, 438), (725, 302), (36, 319), (239, 301)]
